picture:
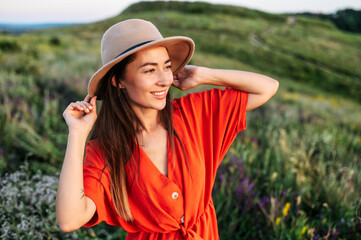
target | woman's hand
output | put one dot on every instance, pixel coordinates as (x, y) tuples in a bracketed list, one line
[(81, 115), (189, 77)]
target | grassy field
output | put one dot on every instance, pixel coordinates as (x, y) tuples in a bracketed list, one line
[(294, 173)]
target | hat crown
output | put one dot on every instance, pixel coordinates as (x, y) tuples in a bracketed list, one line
[(124, 35)]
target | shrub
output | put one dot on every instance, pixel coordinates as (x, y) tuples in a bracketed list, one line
[(27, 206), (55, 41), (9, 46), (27, 210)]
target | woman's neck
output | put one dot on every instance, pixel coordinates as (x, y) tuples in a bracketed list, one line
[(150, 119), (152, 127)]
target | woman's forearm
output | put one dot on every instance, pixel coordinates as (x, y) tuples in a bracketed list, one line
[(260, 88), (72, 209), (250, 82)]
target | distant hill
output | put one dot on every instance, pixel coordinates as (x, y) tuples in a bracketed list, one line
[(19, 27), (347, 19)]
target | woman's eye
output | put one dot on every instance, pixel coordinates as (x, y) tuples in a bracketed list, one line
[(169, 67), (149, 71)]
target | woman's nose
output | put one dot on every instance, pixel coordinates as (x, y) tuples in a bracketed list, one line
[(165, 78)]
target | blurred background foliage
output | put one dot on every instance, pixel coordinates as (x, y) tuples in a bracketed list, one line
[(293, 174)]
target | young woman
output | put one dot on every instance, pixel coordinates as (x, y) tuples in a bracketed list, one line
[(152, 161)]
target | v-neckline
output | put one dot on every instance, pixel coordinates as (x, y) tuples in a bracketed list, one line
[(169, 160)]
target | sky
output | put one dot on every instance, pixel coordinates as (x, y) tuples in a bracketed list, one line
[(86, 11)]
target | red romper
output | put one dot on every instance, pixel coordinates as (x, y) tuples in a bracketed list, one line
[(177, 206)]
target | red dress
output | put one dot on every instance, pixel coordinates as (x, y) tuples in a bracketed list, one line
[(177, 206)]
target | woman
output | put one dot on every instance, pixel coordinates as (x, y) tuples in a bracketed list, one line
[(151, 163)]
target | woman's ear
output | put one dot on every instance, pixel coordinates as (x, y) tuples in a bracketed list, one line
[(114, 83)]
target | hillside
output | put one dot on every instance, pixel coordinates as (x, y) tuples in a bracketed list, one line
[(293, 174), (306, 55), (302, 49)]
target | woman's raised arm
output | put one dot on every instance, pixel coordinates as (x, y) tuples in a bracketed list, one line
[(73, 208), (260, 88)]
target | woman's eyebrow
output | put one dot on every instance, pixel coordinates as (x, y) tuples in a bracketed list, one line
[(153, 63)]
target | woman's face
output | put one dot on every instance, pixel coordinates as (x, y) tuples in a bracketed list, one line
[(148, 78)]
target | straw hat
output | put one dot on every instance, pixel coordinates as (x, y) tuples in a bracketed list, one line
[(133, 35)]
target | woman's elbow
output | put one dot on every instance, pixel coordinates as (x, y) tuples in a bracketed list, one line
[(256, 100), (269, 90), (71, 219), (277, 84), (66, 227), (273, 87)]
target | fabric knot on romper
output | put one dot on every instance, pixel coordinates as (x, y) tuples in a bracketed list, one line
[(189, 234), (184, 231)]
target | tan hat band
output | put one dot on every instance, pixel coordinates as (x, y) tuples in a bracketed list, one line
[(135, 46)]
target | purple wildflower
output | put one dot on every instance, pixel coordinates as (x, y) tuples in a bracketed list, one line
[(263, 202), (238, 191), (222, 177)]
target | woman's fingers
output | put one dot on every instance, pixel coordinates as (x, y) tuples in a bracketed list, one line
[(93, 103), (86, 106), (82, 106), (87, 98), (90, 101), (176, 83), (76, 106)]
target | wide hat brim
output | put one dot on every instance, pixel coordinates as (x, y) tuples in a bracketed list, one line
[(180, 50)]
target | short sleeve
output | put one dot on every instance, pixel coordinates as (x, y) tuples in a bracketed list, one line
[(214, 118), (97, 186)]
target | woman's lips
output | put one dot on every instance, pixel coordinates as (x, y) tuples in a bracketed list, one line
[(159, 94)]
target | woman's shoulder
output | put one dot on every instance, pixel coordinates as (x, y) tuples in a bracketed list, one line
[(93, 146), (195, 97), (93, 155), (217, 90)]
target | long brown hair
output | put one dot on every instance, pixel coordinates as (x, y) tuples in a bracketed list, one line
[(115, 131)]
